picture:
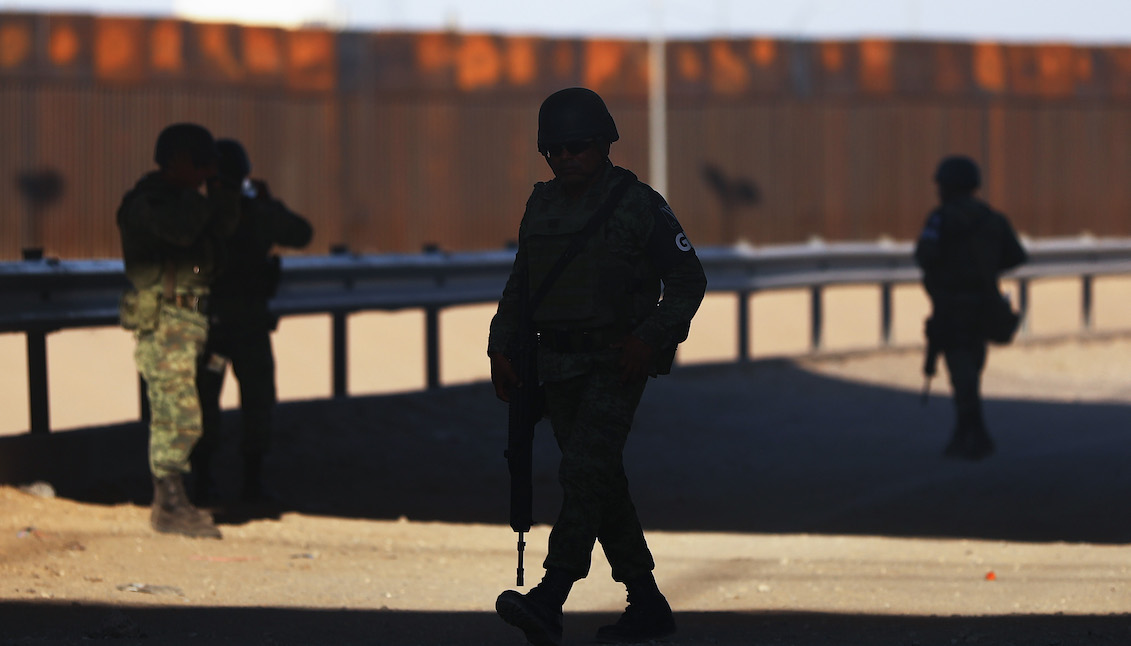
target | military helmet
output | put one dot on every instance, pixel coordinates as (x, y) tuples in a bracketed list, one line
[(958, 172), (574, 114), (185, 138), (232, 162)]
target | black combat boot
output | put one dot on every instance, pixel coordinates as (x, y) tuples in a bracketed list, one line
[(173, 513), (954, 446), (255, 492), (252, 477), (204, 491), (978, 444), (538, 613), (253, 489), (647, 617), (971, 440)]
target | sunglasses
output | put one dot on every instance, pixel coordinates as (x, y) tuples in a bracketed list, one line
[(572, 147)]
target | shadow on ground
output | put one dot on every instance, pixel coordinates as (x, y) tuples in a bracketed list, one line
[(54, 623), (763, 447)]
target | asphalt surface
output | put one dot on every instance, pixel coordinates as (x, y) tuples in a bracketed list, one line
[(775, 454)]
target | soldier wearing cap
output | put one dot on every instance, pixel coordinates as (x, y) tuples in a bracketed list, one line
[(964, 247), (172, 235), (603, 330)]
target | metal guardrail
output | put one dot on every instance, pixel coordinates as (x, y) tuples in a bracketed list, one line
[(47, 295)]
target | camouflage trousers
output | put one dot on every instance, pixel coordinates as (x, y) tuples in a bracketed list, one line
[(166, 358), (591, 416)]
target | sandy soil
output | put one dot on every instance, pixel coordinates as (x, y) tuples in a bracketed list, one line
[(795, 502)]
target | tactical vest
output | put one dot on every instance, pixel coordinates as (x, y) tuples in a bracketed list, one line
[(970, 256), (147, 257), (591, 292)]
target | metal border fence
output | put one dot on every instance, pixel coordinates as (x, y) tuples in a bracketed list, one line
[(46, 295)]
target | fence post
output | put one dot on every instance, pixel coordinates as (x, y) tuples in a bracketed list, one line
[(37, 381), (1023, 304), (1086, 302), (743, 326), (432, 345), (341, 356), (885, 313), (816, 316)]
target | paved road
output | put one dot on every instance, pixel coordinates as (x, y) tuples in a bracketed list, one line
[(790, 504)]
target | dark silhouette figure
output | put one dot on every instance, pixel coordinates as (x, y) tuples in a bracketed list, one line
[(241, 324), (964, 247), (602, 331)]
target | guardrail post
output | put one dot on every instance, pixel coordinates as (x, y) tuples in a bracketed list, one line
[(84, 293), (340, 350), (816, 316), (37, 381), (432, 345), (1023, 304), (743, 326), (885, 313), (1086, 302)]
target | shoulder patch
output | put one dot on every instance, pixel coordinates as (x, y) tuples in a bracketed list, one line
[(668, 244), (669, 215)]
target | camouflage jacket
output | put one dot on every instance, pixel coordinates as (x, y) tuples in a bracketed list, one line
[(162, 225), (616, 281)]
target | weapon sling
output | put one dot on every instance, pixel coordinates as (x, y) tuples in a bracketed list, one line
[(524, 401)]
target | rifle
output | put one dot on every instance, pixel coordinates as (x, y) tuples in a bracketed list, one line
[(931, 359), (525, 410)]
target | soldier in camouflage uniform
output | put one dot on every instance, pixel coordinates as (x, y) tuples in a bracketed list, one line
[(964, 247), (171, 245), (602, 330), (241, 323)]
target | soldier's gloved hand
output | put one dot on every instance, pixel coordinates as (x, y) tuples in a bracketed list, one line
[(635, 359), (503, 376)]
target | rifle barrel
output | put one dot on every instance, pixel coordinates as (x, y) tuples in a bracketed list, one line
[(521, 548)]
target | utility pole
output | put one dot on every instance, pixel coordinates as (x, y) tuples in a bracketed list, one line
[(657, 103)]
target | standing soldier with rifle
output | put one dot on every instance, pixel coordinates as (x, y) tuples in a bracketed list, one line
[(594, 246), (964, 247), (241, 323)]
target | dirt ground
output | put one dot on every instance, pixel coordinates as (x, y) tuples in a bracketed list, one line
[(791, 503)]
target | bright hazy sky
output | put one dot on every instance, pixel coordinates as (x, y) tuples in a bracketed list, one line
[(1077, 21)]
